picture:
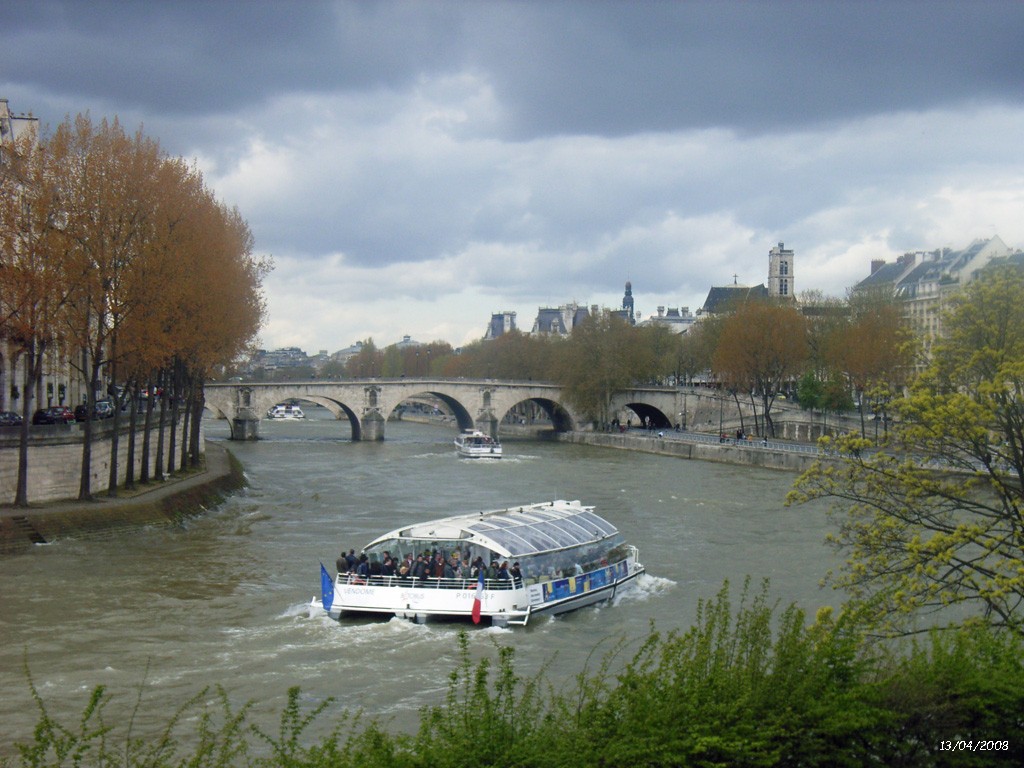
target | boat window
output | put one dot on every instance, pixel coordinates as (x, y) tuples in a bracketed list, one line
[(398, 548), (563, 563)]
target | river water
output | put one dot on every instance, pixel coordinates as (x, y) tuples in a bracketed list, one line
[(224, 599)]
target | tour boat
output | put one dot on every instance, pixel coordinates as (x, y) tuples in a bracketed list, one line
[(285, 412), (474, 444), (567, 557)]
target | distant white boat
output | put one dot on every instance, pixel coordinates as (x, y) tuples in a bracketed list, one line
[(474, 444), (285, 412)]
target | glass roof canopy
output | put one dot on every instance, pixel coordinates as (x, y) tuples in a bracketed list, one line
[(519, 531)]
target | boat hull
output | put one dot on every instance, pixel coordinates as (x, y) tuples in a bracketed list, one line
[(474, 444), (502, 602), (478, 453)]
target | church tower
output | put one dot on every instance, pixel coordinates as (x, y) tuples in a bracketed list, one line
[(780, 273), (627, 304)]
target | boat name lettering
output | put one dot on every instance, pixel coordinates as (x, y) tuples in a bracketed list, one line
[(358, 590)]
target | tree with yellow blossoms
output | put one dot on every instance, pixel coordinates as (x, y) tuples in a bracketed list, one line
[(934, 521)]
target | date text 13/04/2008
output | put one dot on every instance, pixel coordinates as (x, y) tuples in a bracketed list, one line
[(973, 746)]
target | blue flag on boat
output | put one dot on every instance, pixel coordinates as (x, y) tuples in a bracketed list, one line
[(326, 588)]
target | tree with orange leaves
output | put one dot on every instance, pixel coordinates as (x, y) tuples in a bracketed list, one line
[(762, 346)]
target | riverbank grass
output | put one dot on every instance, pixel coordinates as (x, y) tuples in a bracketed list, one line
[(754, 686)]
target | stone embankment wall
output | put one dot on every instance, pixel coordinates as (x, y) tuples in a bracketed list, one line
[(156, 504), (55, 459), (753, 454)]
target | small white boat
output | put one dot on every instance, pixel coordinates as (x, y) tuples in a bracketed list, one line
[(285, 412), (563, 556), (474, 444)]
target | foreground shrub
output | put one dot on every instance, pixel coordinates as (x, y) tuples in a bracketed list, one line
[(750, 687)]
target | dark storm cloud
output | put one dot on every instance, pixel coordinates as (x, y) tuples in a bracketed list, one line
[(608, 68), (431, 162), (619, 68), (191, 57)]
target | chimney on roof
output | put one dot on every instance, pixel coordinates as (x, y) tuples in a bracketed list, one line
[(877, 264)]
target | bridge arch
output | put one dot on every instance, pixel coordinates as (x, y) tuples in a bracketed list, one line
[(368, 403), (560, 418), (650, 415), (459, 411), (339, 410)]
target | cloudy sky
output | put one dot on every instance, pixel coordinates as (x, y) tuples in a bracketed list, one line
[(413, 167)]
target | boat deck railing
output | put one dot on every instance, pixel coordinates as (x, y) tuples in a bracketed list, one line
[(431, 582)]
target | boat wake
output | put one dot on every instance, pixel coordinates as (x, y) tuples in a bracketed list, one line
[(643, 588)]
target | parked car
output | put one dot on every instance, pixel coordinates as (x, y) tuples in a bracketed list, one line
[(9, 419), (103, 409), (57, 414)]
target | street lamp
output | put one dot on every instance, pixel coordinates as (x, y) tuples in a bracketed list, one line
[(721, 415)]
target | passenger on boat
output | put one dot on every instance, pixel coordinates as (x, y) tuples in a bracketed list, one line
[(420, 570), (353, 561), (515, 573), (437, 569), (363, 569), (478, 565), (503, 571), (492, 572), (342, 564), (387, 568)]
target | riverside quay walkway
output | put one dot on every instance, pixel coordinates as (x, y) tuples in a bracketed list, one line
[(480, 404)]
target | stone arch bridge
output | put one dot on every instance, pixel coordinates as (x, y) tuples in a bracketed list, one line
[(479, 404)]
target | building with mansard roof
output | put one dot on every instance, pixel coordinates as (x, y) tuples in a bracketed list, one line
[(559, 321), (501, 323), (924, 281)]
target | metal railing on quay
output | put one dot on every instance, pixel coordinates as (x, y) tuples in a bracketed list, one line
[(753, 444)]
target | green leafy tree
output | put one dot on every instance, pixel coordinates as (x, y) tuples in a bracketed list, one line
[(604, 355), (937, 518), (810, 392)]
